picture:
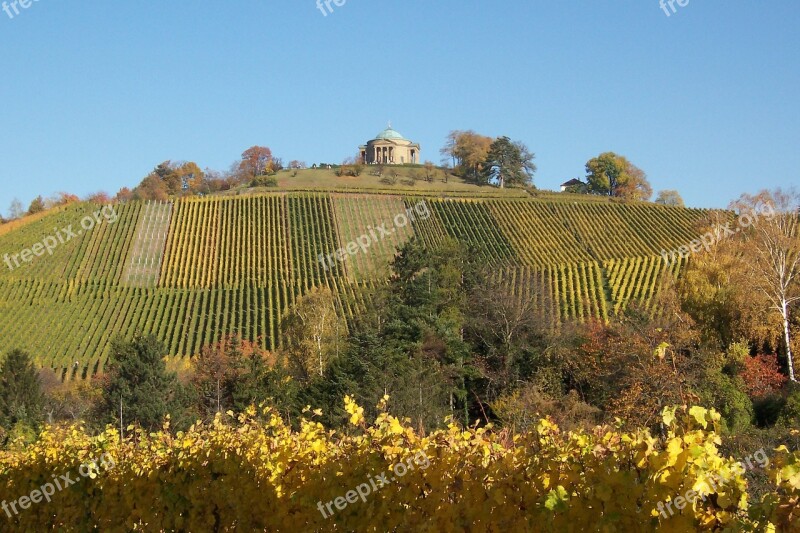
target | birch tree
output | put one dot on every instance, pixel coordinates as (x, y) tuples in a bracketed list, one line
[(313, 334), (772, 247)]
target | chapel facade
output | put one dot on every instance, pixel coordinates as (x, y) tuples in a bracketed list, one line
[(390, 148)]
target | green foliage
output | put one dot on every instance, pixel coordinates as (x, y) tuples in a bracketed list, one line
[(371, 367), (21, 399), (21, 435), (313, 333), (264, 181), (726, 393), (669, 197), (139, 385), (37, 206), (790, 415), (613, 175), (390, 178), (408, 343), (508, 163)]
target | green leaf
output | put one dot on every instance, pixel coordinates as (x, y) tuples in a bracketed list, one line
[(557, 499)]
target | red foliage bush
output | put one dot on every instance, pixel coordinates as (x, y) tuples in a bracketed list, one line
[(762, 375)]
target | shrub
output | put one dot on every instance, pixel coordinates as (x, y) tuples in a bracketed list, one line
[(263, 475), (768, 409), (762, 375), (264, 181), (726, 394), (790, 416)]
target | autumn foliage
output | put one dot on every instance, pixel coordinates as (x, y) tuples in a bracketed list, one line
[(762, 375), (256, 473)]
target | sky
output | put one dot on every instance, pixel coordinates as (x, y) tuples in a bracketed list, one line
[(94, 94)]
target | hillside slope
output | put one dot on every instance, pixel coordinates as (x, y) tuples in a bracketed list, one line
[(192, 270)]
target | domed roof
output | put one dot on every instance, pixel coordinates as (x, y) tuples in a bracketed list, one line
[(390, 135)]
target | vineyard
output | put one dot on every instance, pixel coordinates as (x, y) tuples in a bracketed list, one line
[(259, 474), (192, 270)]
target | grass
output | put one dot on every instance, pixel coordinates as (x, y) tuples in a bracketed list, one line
[(327, 180)]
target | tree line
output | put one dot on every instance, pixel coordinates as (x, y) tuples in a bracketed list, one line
[(476, 158)]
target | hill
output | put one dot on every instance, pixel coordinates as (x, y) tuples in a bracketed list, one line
[(192, 270)]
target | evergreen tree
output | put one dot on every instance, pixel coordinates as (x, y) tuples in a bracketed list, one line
[(139, 385), (21, 398), (508, 163), (425, 315)]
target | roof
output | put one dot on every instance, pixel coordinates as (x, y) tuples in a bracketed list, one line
[(573, 181), (390, 135)]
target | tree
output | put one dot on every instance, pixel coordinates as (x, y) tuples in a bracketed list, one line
[(71, 401), (506, 332), (468, 151), (369, 368), (312, 334), (761, 375), (771, 246), (231, 374), (430, 171), (62, 198), (425, 311), (37, 206), (139, 389), (15, 210), (409, 343), (99, 197), (124, 195), (176, 177), (714, 288), (255, 161), (613, 175), (352, 166), (634, 366), (21, 399), (166, 173), (190, 176), (152, 188), (669, 197), (508, 163)]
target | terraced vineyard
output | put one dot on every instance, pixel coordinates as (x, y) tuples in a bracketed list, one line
[(193, 270)]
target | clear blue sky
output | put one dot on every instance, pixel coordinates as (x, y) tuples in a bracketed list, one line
[(93, 94)]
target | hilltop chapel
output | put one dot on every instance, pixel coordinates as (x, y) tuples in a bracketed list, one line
[(390, 148)]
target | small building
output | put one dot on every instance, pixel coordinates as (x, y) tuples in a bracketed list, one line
[(573, 185), (390, 148)]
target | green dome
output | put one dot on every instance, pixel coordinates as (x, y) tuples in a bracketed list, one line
[(390, 135)]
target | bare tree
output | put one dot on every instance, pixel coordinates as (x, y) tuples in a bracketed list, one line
[(15, 210)]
